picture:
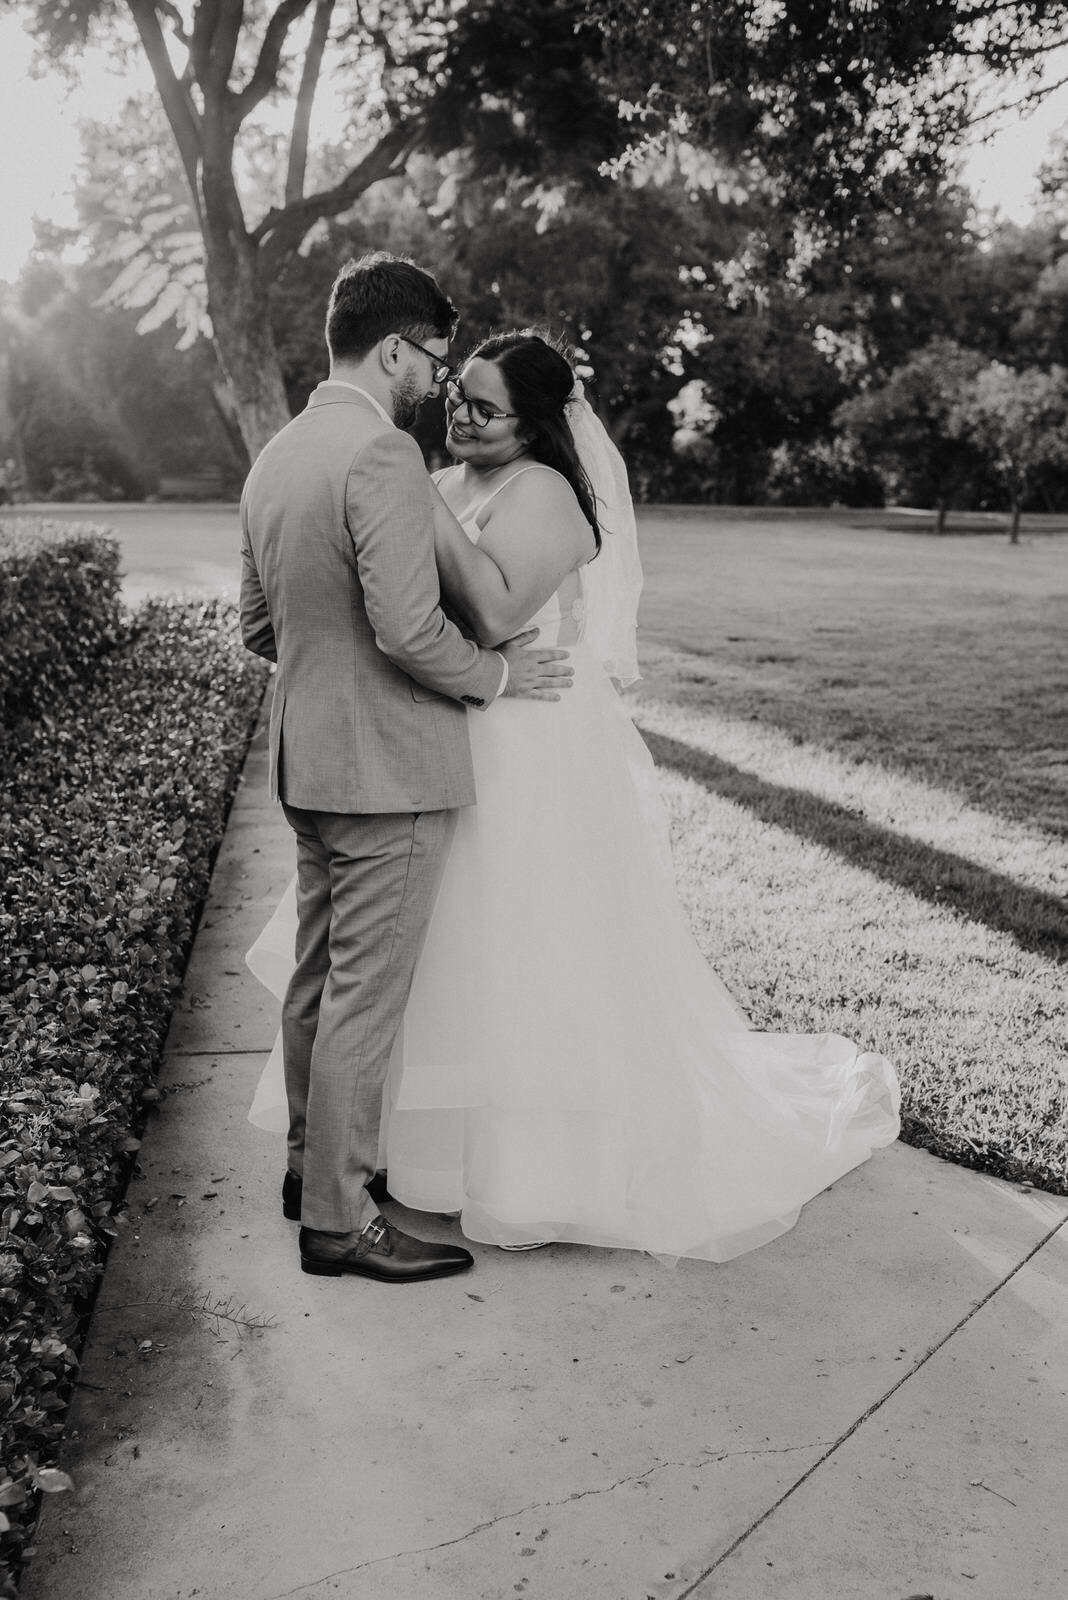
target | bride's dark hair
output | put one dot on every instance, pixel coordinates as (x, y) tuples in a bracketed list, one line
[(539, 377)]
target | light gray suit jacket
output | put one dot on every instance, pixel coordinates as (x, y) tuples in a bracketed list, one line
[(339, 587)]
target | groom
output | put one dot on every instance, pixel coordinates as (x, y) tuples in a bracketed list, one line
[(368, 737)]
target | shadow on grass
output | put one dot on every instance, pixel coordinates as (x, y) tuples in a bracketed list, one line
[(1037, 921)]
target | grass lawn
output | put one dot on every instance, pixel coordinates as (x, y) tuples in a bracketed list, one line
[(863, 740)]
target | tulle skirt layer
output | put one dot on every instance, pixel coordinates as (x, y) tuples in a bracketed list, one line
[(568, 1066)]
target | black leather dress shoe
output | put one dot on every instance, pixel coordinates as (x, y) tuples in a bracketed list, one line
[(381, 1251), (293, 1189)]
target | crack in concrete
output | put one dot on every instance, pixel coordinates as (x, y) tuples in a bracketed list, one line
[(708, 1458), (877, 1405)]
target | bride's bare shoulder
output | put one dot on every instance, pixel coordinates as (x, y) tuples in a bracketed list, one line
[(540, 499), (536, 489)]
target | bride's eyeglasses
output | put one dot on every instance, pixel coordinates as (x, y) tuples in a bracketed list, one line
[(480, 413), (439, 369)]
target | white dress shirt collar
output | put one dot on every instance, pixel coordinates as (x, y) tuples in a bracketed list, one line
[(343, 383)]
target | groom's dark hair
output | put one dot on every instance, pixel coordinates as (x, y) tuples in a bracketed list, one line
[(381, 294)]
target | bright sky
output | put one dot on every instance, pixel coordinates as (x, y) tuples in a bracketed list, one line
[(39, 141)]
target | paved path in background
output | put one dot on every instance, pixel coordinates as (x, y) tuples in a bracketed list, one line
[(870, 1408), (187, 549)]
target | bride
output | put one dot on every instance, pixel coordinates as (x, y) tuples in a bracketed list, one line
[(568, 1067)]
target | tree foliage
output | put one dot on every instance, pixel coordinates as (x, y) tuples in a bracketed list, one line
[(714, 290), (833, 108), (719, 373), (841, 104), (609, 268), (516, 85), (1020, 418), (90, 409), (913, 424), (139, 221)]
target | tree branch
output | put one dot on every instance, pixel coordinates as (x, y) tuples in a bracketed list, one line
[(384, 45), (986, 11), (1020, 53), (1022, 104), (223, 45), (309, 79), (283, 228), (174, 93), (205, 20), (176, 20), (212, 49), (265, 75)]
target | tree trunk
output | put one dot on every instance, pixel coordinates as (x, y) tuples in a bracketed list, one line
[(1014, 526), (941, 507), (10, 431), (244, 344), (224, 408)]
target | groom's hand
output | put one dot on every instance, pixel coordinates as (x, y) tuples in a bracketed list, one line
[(537, 673)]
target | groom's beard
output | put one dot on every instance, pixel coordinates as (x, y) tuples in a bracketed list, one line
[(408, 396)]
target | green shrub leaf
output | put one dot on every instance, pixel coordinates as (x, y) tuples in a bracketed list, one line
[(119, 759)]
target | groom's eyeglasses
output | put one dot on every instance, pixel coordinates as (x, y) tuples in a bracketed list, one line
[(440, 370), (480, 413)]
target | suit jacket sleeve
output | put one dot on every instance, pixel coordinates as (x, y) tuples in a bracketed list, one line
[(256, 629), (391, 523)]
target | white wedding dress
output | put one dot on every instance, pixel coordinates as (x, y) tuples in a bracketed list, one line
[(568, 1067)]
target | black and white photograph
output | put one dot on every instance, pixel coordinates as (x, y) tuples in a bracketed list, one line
[(533, 799)]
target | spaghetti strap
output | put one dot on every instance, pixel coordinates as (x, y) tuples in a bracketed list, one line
[(535, 466)]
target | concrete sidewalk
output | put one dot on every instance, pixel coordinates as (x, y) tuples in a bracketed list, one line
[(873, 1406)]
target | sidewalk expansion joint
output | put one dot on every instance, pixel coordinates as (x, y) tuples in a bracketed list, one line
[(247, 1050), (872, 1409), (708, 1458)]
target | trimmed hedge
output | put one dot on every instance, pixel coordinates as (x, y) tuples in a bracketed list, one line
[(113, 805), (59, 610)]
